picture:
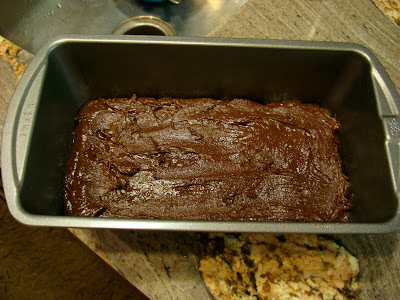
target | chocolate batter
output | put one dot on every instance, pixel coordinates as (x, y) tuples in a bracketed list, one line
[(206, 159)]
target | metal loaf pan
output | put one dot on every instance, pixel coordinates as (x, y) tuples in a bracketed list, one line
[(346, 79)]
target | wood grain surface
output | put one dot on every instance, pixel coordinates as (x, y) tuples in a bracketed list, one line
[(50, 263), (164, 265)]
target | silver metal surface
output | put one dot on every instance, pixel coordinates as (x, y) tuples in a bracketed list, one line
[(346, 79), (30, 24), (144, 25)]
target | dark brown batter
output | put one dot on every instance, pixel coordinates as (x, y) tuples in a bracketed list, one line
[(206, 159)]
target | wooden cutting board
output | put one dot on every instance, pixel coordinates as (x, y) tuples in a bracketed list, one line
[(163, 265)]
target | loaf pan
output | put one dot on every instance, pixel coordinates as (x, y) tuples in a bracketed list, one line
[(346, 79)]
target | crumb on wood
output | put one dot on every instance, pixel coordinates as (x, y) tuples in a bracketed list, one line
[(9, 52)]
